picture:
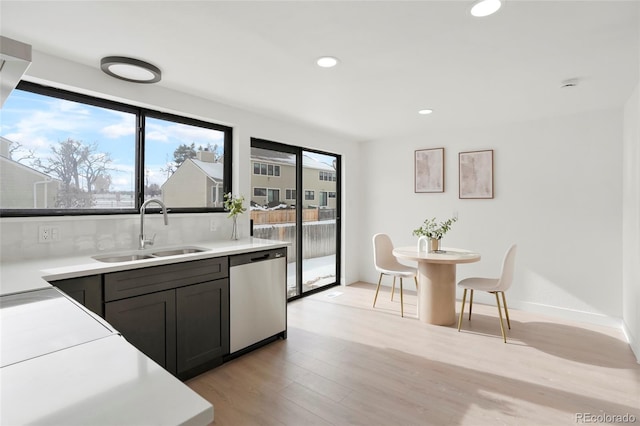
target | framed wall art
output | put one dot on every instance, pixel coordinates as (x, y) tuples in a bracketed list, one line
[(429, 170), (475, 170)]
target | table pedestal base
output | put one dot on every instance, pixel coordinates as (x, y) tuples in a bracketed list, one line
[(437, 293)]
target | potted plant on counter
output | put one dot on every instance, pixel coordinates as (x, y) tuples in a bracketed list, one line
[(433, 231), (234, 205)]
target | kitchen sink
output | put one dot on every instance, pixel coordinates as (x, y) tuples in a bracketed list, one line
[(178, 251), (133, 256), (122, 258)]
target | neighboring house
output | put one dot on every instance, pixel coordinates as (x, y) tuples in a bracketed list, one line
[(274, 180), (22, 187), (202, 176)]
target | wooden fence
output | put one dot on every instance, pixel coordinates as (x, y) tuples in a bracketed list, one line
[(263, 217)]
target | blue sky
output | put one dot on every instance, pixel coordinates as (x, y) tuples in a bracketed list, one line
[(38, 122)]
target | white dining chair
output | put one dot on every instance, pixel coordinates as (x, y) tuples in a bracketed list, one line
[(496, 286), (387, 264)]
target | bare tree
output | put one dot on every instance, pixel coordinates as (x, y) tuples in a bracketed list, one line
[(64, 162), (18, 153), (95, 165), (71, 162)]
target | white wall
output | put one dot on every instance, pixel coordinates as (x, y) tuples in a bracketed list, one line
[(557, 195), (631, 223), (47, 69)]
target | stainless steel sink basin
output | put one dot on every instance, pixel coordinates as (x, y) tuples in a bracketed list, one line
[(122, 258), (133, 256), (178, 251)]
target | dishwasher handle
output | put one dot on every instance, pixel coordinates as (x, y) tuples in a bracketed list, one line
[(255, 257)]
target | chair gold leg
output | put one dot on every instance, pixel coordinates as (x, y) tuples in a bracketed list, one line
[(464, 296), (377, 290), (401, 300), (470, 304), (393, 287), (504, 337), (416, 280), (506, 311)]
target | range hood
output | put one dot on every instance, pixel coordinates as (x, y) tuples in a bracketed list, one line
[(15, 58)]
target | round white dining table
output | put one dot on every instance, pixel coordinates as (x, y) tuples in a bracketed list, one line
[(437, 281)]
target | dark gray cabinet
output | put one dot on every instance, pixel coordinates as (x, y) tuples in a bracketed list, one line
[(202, 320), (177, 314), (148, 322), (85, 290)]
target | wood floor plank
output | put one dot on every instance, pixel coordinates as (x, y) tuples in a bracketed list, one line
[(345, 362)]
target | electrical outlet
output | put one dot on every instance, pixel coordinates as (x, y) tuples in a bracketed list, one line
[(48, 234), (213, 225)]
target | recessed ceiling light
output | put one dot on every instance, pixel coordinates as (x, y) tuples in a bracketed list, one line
[(483, 8), (425, 111), (327, 62), (130, 69)]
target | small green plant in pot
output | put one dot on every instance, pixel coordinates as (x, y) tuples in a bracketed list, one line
[(434, 231)]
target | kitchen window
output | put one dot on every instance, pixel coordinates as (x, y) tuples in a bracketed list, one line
[(64, 153)]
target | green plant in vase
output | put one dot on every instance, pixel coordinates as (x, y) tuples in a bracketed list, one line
[(434, 231), (234, 205)]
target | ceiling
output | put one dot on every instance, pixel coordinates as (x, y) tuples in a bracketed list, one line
[(396, 57)]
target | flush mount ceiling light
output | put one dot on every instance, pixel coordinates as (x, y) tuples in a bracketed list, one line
[(129, 69), (483, 8), (425, 111), (327, 62)]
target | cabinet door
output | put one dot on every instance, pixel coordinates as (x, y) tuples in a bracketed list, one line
[(85, 290), (202, 312), (149, 323)]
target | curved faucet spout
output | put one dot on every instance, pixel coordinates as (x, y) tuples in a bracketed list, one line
[(142, 238)]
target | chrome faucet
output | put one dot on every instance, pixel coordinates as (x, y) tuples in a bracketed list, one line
[(143, 240)]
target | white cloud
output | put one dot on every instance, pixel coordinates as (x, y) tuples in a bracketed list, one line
[(126, 126), (164, 131), (155, 135)]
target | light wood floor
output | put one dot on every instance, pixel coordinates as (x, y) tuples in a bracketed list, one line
[(347, 363)]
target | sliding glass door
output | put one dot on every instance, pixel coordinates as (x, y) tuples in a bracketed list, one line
[(319, 226), (295, 197)]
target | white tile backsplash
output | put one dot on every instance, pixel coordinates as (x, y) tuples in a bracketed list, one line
[(102, 234)]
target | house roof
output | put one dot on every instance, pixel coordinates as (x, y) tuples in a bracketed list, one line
[(215, 171)]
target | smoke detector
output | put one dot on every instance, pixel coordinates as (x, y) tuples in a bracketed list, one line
[(571, 82)]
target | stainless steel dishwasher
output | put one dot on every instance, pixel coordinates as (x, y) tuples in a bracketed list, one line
[(258, 298)]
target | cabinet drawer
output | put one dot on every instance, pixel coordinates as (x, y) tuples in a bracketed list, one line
[(120, 285)]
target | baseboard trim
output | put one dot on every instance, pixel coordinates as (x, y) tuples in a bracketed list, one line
[(569, 314), (634, 344)]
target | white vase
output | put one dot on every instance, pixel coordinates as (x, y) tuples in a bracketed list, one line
[(423, 244)]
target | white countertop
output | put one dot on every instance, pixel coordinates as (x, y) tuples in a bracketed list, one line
[(39, 322), (16, 277), (104, 382)]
